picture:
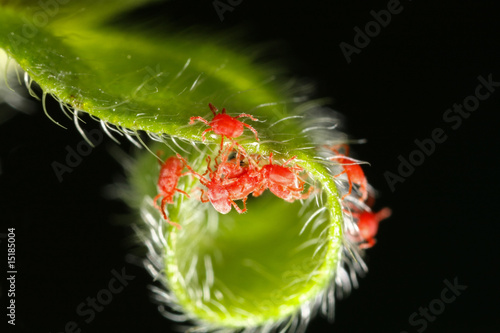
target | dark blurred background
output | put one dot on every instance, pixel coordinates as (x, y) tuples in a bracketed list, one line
[(394, 91)]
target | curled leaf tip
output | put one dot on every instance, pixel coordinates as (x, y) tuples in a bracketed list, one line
[(254, 214)]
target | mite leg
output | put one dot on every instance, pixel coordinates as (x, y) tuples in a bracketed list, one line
[(246, 115), (241, 211), (253, 130), (181, 191), (203, 138), (192, 120), (156, 199)]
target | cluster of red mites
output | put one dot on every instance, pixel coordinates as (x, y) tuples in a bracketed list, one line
[(235, 175), (367, 221)]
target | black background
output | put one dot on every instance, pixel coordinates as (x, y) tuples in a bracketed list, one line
[(392, 93)]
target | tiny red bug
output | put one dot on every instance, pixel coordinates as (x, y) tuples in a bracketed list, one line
[(170, 172), (283, 181), (225, 125), (368, 223), (239, 179), (240, 187), (227, 183), (353, 170)]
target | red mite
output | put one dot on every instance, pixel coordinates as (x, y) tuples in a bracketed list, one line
[(368, 225), (283, 181), (170, 172), (239, 188), (354, 172), (227, 183), (225, 125), (240, 181)]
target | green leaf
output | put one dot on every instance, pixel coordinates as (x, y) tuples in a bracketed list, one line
[(138, 81), (264, 269), (237, 270)]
